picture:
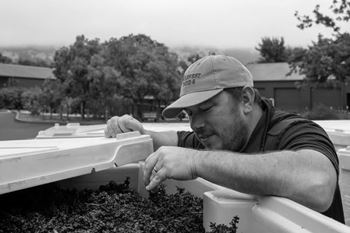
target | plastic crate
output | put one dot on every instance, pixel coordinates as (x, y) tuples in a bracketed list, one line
[(344, 160), (75, 130), (338, 131), (72, 130), (220, 205), (27, 163)]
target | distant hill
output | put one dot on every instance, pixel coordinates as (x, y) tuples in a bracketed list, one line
[(29, 52), (245, 55)]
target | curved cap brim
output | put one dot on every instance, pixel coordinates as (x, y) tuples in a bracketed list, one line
[(188, 100)]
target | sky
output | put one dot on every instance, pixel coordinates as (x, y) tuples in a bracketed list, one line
[(217, 23)]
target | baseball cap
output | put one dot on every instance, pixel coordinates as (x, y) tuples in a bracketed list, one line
[(206, 78)]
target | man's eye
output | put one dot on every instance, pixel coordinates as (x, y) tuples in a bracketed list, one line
[(205, 108)]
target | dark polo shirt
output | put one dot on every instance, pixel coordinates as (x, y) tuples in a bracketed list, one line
[(299, 134)]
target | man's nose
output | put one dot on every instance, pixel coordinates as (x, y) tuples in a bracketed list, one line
[(196, 122)]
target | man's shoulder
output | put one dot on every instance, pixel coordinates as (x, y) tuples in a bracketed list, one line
[(282, 120), (291, 131)]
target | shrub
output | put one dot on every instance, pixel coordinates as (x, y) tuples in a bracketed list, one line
[(31, 100), (321, 112), (10, 98)]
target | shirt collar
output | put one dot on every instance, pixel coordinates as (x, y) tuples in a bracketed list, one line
[(257, 139)]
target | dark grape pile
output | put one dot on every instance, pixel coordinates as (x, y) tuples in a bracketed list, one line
[(111, 208)]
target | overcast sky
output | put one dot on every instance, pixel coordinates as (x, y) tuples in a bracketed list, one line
[(219, 23)]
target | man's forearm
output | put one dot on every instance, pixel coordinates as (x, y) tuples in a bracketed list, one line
[(162, 138), (305, 176)]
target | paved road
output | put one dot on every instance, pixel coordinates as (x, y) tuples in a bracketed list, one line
[(11, 129)]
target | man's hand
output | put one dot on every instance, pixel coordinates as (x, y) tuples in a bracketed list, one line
[(169, 162), (123, 124)]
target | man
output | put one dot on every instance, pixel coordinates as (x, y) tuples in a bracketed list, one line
[(240, 141)]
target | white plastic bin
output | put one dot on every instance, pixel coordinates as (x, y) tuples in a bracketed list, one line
[(90, 162), (338, 131), (344, 159), (72, 130), (220, 205), (27, 163), (75, 130)]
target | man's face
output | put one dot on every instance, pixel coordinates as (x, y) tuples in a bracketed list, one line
[(219, 123)]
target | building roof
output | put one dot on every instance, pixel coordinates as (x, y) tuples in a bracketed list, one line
[(20, 71), (272, 72)]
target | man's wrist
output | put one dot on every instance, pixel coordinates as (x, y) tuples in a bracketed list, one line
[(195, 163)]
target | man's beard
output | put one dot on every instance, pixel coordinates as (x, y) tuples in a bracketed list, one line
[(234, 138)]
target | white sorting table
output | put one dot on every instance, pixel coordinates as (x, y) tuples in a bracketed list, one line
[(27, 163)]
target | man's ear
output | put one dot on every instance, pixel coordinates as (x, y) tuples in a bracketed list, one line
[(248, 96)]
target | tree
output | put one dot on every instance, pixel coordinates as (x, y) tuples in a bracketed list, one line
[(71, 68), (323, 60), (4, 59), (272, 50), (193, 58), (147, 69), (340, 10), (10, 97), (120, 72), (328, 58), (105, 83), (31, 100), (50, 95), (183, 64)]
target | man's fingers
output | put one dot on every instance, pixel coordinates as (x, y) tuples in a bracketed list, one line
[(117, 127), (113, 127), (153, 173), (107, 133), (150, 163), (128, 123), (121, 125), (158, 178), (110, 132)]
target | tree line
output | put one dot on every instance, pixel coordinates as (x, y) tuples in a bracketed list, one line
[(114, 77)]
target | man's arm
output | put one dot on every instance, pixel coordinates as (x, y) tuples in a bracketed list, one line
[(305, 176), (163, 138), (127, 123)]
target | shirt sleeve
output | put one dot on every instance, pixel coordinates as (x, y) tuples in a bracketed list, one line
[(188, 139), (309, 135)]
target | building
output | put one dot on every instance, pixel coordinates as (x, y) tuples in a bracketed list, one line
[(24, 76), (272, 81)]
